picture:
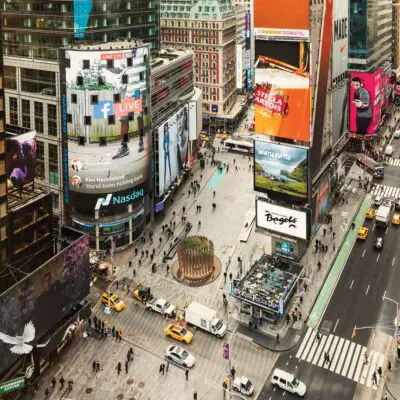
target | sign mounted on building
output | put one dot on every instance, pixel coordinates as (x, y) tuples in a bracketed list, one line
[(285, 221), (11, 386), (340, 37)]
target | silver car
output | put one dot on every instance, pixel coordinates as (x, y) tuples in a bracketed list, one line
[(179, 356)]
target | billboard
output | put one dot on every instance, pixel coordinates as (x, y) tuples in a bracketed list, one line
[(20, 159), (247, 53), (272, 20), (285, 221), (42, 299), (192, 109), (282, 93), (281, 170), (239, 66), (365, 102), (339, 112), (340, 37), (173, 138), (107, 110)]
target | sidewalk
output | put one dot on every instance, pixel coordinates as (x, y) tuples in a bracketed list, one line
[(392, 381)]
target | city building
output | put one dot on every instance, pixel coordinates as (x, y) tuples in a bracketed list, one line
[(240, 48), (370, 27), (209, 30), (396, 37), (32, 34), (106, 143)]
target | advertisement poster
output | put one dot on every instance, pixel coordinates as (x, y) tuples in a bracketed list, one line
[(340, 112), (282, 93), (365, 102), (192, 120), (284, 220), (173, 138), (280, 169), (273, 20), (20, 159), (340, 38), (108, 145)]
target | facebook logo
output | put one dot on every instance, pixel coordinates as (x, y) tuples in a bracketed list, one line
[(103, 109)]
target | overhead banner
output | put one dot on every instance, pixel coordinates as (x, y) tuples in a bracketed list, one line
[(340, 37), (285, 221), (276, 21), (365, 102), (282, 95)]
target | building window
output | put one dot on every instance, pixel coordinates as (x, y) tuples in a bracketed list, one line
[(40, 174), (26, 113), (53, 164), (39, 125), (13, 110), (52, 119), (79, 80), (111, 119), (94, 99), (38, 81), (10, 77), (110, 64), (88, 120), (74, 98), (56, 201), (86, 64), (125, 79)]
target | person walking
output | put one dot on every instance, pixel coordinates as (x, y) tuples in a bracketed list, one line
[(70, 384), (113, 331), (195, 395), (53, 383), (214, 194), (160, 369), (277, 338), (319, 265), (324, 232), (389, 366), (225, 275), (120, 335), (380, 372), (94, 366), (119, 368), (187, 374), (233, 372), (230, 276), (333, 234), (97, 366), (374, 379), (62, 381), (126, 365), (365, 358)]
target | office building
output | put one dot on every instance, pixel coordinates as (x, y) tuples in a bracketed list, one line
[(396, 36)]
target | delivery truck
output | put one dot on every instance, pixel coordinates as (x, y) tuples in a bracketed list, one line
[(205, 318), (383, 215)]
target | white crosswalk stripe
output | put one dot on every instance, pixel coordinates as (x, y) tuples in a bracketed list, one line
[(346, 357), (394, 161), (385, 190)]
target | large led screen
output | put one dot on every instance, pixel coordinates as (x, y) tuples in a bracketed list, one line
[(20, 159), (280, 170), (107, 116), (43, 298), (365, 102), (173, 138), (282, 95)]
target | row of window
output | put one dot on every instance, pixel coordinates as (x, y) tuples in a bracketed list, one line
[(101, 80), (53, 162)]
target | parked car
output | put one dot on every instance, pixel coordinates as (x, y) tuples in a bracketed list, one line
[(161, 306), (397, 133), (179, 356)]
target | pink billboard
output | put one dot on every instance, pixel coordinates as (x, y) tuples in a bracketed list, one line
[(365, 102)]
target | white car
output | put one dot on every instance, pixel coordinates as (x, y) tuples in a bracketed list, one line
[(288, 382), (243, 385), (397, 133), (377, 201), (179, 356), (389, 150)]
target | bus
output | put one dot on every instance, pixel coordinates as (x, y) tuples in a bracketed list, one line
[(377, 170), (240, 144)]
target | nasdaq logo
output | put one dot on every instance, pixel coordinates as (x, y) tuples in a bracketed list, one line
[(103, 109)]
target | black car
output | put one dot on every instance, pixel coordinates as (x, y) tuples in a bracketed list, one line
[(378, 243)]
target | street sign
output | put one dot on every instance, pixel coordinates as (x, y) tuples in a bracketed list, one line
[(12, 385), (225, 351)]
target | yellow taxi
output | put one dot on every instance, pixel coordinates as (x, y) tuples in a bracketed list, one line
[(113, 301), (222, 136), (362, 233), (178, 333), (370, 214), (396, 219)]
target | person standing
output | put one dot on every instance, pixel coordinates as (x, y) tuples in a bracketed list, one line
[(233, 372), (389, 366), (62, 381), (126, 366), (97, 366), (53, 383), (119, 368), (195, 395), (187, 374), (94, 366), (374, 379), (277, 338)]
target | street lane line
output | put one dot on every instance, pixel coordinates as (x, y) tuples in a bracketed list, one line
[(310, 342), (360, 365), (363, 254), (373, 228), (303, 343), (342, 357), (326, 348), (387, 229), (393, 261), (331, 351), (351, 283), (334, 329), (377, 258), (356, 357), (348, 358), (319, 351), (367, 290), (313, 349), (336, 355)]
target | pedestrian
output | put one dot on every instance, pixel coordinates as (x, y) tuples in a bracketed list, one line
[(287, 319), (97, 366), (233, 372), (62, 381), (324, 231), (230, 276), (374, 379), (389, 366), (195, 395), (70, 383), (94, 366), (330, 228), (46, 392), (326, 248), (53, 383), (136, 251), (225, 275), (333, 247), (365, 358), (277, 338), (116, 335), (160, 369), (214, 193), (318, 336), (333, 234), (119, 368), (199, 224), (187, 374), (380, 372), (120, 335), (90, 322), (126, 365), (319, 265), (353, 225)]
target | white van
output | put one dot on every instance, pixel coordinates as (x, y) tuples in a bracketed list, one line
[(288, 382), (389, 150)]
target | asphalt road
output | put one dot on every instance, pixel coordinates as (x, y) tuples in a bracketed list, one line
[(356, 301)]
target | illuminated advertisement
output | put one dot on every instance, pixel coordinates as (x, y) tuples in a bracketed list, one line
[(239, 66), (272, 22), (280, 170), (192, 109), (365, 102), (247, 53), (36, 304), (21, 159), (173, 138), (82, 10), (340, 37), (282, 93), (107, 116)]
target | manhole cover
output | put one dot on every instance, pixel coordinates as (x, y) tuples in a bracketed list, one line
[(89, 390), (141, 384), (326, 327), (130, 381)]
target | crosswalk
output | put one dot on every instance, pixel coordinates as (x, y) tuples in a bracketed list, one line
[(346, 357), (386, 191), (394, 161)]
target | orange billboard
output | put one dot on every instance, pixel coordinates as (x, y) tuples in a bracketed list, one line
[(282, 93), (272, 20)]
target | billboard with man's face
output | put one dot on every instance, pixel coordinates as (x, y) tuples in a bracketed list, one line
[(282, 93), (281, 171), (173, 138), (107, 119), (20, 159), (365, 102)]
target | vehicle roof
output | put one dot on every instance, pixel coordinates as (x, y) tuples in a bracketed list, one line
[(283, 374), (199, 308)]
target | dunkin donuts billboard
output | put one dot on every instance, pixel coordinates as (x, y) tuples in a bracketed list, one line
[(282, 93)]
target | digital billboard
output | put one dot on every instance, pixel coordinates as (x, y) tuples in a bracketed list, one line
[(20, 159), (365, 102), (107, 109), (282, 93), (281, 170), (42, 299), (283, 220), (340, 38), (272, 20), (173, 138)]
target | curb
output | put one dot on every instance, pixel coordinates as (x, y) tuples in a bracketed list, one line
[(389, 392)]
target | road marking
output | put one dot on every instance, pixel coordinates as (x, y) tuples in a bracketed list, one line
[(336, 355), (363, 254), (367, 290), (303, 344), (373, 228), (351, 283), (386, 230), (393, 261), (356, 356), (377, 258), (334, 329)]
